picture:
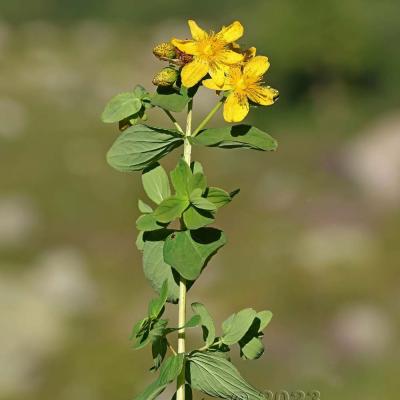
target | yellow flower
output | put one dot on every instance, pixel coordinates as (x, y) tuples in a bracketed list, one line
[(210, 53), (245, 83)]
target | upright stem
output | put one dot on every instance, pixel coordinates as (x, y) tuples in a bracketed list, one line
[(187, 150)]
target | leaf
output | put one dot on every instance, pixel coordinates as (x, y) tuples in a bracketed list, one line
[(141, 145), (192, 323), (265, 318), (197, 181), (170, 99), (148, 222), (195, 219), (206, 322), (158, 350), (144, 208), (218, 196), (169, 371), (181, 176), (217, 377), (171, 208), (121, 106), (196, 167), (189, 251), (253, 349), (155, 269), (202, 203), (155, 183), (236, 326), (236, 136), (157, 305)]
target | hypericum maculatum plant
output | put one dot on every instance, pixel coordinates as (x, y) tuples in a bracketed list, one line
[(174, 255)]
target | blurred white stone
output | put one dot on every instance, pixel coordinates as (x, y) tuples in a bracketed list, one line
[(335, 245), (18, 219), (31, 330), (61, 279), (93, 38), (373, 161), (13, 117), (362, 331)]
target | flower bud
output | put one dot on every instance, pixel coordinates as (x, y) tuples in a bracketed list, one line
[(165, 50), (166, 77)]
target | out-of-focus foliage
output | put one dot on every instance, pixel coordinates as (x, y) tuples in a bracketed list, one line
[(324, 255)]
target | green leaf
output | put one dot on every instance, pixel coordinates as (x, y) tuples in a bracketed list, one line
[(171, 208), (196, 167), (158, 350), (121, 106), (265, 318), (181, 176), (144, 208), (252, 350), (195, 219), (139, 241), (192, 323), (157, 305), (236, 326), (189, 251), (169, 371), (154, 267), (148, 222), (197, 181), (236, 136), (141, 145), (218, 196), (207, 323), (156, 183), (202, 203), (170, 99), (217, 377)]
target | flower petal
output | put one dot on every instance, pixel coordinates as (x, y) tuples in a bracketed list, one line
[(196, 31), (263, 95), (256, 67), (210, 84), (187, 46), (236, 107), (217, 74), (230, 57), (194, 72), (231, 32)]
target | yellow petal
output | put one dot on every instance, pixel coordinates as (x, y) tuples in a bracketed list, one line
[(236, 107), (249, 53), (263, 95), (194, 72), (187, 46), (210, 84), (232, 32), (230, 57), (256, 67), (196, 31), (217, 74)]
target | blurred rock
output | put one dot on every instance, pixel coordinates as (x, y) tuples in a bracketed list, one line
[(335, 245), (18, 219), (61, 279), (13, 117), (362, 331), (373, 161)]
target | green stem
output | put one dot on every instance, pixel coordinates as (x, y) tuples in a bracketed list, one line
[(174, 121), (208, 117), (180, 394)]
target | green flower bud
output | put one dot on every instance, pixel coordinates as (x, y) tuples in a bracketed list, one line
[(165, 50), (166, 77)]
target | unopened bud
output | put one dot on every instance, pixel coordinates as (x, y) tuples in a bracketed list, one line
[(166, 77), (165, 50)]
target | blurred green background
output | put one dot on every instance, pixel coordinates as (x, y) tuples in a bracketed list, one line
[(313, 235)]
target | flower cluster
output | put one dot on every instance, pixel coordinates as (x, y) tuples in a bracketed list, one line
[(217, 61)]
